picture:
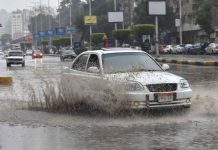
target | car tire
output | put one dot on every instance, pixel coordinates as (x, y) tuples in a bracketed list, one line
[(23, 64)]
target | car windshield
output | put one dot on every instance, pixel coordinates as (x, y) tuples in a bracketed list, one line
[(15, 54), (67, 52), (128, 62)]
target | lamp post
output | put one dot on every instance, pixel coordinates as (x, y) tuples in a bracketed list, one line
[(115, 25), (36, 25), (90, 27), (49, 23), (71, 36), (180, 18)]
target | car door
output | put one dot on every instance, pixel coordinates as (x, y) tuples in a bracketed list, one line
[(74, 78), (95, 79)]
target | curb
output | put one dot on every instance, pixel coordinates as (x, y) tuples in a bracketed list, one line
[(188, 62), (6, 80)]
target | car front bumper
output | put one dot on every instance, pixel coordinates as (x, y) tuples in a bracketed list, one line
[(148, 100)]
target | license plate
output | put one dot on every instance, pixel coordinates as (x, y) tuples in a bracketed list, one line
[(165, 97)]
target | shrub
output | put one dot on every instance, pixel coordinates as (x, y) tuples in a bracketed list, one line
[(121, 35), (97, 38)]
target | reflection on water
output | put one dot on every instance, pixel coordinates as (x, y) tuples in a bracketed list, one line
[(195, 129)]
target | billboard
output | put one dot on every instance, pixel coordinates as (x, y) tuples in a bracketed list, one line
[(157, 8), (90, 20), (42, 33), (60, 31), (115, 16), (70, 29), (50, 32)]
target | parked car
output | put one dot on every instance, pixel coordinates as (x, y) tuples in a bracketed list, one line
[(179, 49), (212, 48), (168, 49), (15, 57), (196, 49), (146, 83), (37, 54), (67, 54), (187, 48)]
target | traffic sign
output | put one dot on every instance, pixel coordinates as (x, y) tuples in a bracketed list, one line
[(90, 20)]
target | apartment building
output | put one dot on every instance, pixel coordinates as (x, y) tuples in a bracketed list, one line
[(192, 32), (19, 23), (16, 24)]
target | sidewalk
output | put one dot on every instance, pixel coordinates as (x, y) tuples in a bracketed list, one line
[(200, 60)]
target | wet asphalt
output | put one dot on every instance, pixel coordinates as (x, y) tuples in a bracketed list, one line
[(23, 129)]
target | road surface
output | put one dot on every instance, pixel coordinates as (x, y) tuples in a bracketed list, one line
[(23, 129)]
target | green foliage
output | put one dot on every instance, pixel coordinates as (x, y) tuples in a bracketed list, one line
[(44, 42), (97, 38), (121, 35), (204, 16), (61, 42), (166, 22), (143, 29)]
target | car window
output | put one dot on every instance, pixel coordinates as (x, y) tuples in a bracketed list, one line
[(15, 54), (93, 61), (128, 62), (80, 63)]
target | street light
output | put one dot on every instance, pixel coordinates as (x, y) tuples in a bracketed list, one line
[(71, 36), (180, 17), (49, 23), (90, 27), (115, 25)]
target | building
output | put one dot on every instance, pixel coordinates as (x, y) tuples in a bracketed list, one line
[(192, 32), (19, 23), (16, 24)]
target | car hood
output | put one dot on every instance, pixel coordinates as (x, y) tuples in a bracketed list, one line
[(15, 57), (155, 77)]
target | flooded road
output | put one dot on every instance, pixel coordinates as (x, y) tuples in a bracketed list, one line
[(23, 129)]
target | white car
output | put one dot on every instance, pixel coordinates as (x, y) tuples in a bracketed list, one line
[(179, 49), (212, 48), (145, 82), (169, 49), (15, 57)]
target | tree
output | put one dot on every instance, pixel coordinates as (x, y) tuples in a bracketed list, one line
[(97, 38), (5, 38), (121, 35), (166, 22), (203, 17)]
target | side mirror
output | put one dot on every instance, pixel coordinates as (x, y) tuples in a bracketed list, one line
[(24, 55), (165, 67), (93, 70)]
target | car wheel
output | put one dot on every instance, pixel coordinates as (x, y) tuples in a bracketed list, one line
[(23, 64), (8, 65)]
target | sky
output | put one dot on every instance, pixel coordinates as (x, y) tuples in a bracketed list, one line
[(12, 5)]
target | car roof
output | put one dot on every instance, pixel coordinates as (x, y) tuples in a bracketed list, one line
[(114, 50)]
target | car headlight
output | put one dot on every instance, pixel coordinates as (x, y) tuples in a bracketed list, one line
[(184, 83), (134, 86)]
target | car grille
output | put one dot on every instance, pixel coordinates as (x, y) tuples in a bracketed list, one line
[(15, 59), (162, 87)]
